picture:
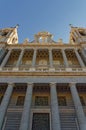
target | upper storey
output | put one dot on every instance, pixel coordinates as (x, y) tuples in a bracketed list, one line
[(9, 35), (77, 35), (43, 53)]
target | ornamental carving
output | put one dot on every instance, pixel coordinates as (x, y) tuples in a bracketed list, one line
[(43, 62)]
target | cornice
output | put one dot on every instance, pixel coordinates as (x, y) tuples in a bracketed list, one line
[(43, 74), (38, 46), (42, 46)]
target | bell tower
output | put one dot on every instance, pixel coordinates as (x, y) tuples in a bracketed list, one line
[(77, 35), (9, 35)]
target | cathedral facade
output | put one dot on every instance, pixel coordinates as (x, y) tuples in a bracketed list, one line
[(42, 82)]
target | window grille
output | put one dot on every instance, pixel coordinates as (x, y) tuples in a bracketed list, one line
[(41, 101)]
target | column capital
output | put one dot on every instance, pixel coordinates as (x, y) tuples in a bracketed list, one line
[(52, 84), (35, 49), (50, 49), (10, 49), (76, 49), (22, 49), (72, 83), (11, 84), (30, 83), (63, 49)]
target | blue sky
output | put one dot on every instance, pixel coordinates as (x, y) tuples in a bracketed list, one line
[(34, 16)]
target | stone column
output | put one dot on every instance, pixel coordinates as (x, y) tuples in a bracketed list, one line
[(20, 58), (55, 119), (50, 58), (83, 54), (25, 121), (5, 59), (5, 103), (65, 58), (2, 51), (34, 59), (79, 58), (78, 107)]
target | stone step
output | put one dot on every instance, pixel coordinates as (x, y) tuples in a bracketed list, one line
[(13, 120), (68, 121)]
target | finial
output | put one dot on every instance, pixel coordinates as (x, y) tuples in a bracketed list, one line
[(70, 25), (26, 41), (17, 25)]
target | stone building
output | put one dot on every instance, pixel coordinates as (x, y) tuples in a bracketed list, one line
[(43, 82)]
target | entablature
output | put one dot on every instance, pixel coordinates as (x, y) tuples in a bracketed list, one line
[(44, 47), (42, 74)]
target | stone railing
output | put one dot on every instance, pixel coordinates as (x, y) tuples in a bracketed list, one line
[(41, 69)]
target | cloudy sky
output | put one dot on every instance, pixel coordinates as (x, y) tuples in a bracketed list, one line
[(34, 16)]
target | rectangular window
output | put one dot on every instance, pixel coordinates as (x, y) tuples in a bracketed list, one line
[(62, 101), (41, 121), (41, 101), (20, 100)]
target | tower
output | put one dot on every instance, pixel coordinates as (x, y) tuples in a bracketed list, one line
[(77, 35), (9, 35)]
